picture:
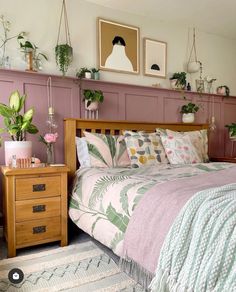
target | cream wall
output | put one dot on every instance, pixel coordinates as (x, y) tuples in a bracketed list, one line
[(40, 19)]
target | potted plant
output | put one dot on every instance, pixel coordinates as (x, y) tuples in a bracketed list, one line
[(83, 72), (223, 89), (17, 125), (92, 98), (64, 51), (232, 131), (95, 73), (178, 80), (188, 112)]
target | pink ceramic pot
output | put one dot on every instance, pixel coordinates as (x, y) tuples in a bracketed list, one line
[(21, 149)]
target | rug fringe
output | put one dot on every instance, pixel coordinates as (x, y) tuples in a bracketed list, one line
[(139, 274)]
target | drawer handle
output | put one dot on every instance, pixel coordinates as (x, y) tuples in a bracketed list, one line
[(39, 229), (39, 188), (39, 208)]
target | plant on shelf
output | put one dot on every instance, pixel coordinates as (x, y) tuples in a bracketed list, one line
[(178, 80), (82, 73), (95, 73), (223, 89), (31, 52), (232, 131), (17, 125), (188, 112), (92, 98), (64, 51)]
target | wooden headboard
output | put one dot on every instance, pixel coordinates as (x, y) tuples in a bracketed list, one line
[(75, 127)]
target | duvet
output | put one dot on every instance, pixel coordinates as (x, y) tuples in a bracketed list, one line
[(103, 200)]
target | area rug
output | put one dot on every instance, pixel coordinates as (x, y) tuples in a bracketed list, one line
[(81, 267)]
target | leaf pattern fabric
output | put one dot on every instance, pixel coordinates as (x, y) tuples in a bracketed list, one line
[(104, 199), (107, 150), (144, 149)]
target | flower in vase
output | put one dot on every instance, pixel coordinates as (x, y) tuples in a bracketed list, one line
[(49, 139)]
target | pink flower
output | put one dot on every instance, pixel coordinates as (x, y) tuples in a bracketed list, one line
[(50, 137)]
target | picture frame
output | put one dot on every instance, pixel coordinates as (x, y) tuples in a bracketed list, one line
[(118, 47), (155, 58)]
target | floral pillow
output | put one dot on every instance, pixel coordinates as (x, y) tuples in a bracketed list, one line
[(107, 150), (199, 140), (144, 148), (179, 149)]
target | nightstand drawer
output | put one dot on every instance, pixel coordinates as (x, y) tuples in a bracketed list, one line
[(37, 187), (36, 230), (38, 208)]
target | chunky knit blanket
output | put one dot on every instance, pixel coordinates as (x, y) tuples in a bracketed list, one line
[(199, 252)]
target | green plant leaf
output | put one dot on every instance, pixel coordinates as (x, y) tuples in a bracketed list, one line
[(14, 101), (116, 218), (28, 115), (22, 102), (6, 111), (32, 129)]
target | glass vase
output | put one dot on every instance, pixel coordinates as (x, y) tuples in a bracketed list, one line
[(50, 154)]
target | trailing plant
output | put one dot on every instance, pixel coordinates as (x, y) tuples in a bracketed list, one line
[(232, 129), (180, 78), (64, 57), (189, 108), (16, 124), (93, 95)]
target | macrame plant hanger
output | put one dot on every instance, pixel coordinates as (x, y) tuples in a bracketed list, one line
[(193, 64), (64, 52)]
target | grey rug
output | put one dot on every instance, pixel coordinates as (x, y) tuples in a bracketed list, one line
[(81, 267)]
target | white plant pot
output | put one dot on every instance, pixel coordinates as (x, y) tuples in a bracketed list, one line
[(92, 107), (188, 118), (88, 75), (231, 137), (174, 86), (193, 67), (21, 149)]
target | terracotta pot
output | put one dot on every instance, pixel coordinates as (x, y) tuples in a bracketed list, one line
[(92, 107), (21, 149), (188, 118)]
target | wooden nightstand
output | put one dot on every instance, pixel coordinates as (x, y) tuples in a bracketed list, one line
[(34, 206), (223, 159)]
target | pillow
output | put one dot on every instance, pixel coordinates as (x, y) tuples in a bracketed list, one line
[(107, 150), (199, 140), (82, 152), (144, 148), (179, 149)]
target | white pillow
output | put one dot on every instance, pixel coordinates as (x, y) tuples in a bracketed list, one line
[(82, 152)]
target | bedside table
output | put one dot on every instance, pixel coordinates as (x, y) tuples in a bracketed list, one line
[(34, 206), (223, 159)]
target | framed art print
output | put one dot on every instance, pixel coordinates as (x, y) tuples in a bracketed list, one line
[(155, 54), (118, 47)]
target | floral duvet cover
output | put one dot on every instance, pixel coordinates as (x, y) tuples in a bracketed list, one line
[(103, 199)]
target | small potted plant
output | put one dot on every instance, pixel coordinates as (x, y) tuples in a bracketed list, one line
[(95, 73), (188, 112), (178, 80), (83, 72), (232, 131), (17, 125), (92, 98)]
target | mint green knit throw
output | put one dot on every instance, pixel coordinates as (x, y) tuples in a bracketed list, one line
[(199, 252)]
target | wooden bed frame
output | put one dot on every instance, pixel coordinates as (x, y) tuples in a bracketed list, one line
[(75, 127)]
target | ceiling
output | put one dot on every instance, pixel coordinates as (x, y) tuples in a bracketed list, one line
[(213, 16)]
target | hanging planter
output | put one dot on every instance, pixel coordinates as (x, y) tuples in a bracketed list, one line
[(64, 52), (193, 64)]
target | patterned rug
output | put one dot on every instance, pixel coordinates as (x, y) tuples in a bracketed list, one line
[(79, 268)]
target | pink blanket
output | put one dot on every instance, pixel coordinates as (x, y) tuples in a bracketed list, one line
[(156, 212)]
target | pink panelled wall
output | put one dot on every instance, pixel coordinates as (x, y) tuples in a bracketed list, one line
[(122, 102)]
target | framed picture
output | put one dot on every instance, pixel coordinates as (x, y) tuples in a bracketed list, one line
[(118, 47), (155, 58)]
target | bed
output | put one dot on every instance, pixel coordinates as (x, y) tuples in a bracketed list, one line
[(124, 209)]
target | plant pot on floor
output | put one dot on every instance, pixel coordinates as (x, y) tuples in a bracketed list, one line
[(188, 118), (21, 149)]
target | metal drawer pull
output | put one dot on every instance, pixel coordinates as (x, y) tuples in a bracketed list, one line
[(39, 188), (39, 208), (39, 229)]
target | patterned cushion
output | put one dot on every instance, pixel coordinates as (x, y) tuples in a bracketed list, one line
[(144, 148), (180, 149), (107, 150), (199, 140)]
